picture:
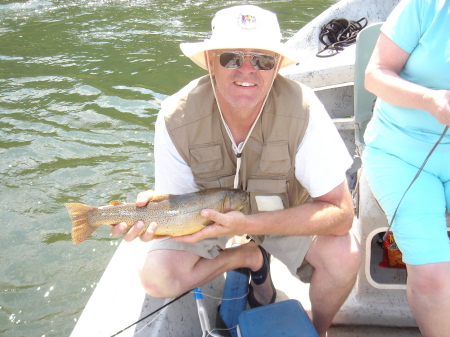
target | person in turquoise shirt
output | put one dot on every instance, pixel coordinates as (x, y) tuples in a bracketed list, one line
[(409, 71)]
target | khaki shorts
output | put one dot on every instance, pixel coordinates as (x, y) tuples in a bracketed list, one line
[(290, 250)]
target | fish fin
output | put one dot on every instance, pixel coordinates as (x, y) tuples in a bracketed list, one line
[(161, 197), (81, 229), (155, 237), (115, 202)]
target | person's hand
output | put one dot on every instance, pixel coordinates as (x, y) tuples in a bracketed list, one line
[(231, 223), (439, 105), (136, 230)]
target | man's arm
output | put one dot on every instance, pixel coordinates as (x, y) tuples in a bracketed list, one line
[(331, 213)]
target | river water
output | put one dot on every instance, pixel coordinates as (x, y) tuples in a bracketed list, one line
[(81, 83)]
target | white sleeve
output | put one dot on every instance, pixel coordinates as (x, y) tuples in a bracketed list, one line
[(322, 157), (172, 173)]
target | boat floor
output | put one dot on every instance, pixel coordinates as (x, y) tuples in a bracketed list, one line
[(119, 301), (290, 287), (370, 331)]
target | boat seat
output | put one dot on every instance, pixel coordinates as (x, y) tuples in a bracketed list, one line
[(363, 99), (379, 295)]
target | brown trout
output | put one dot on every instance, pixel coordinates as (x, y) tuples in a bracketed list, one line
[(175, 215)]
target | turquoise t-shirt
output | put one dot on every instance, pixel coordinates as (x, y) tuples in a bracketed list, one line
[(421, 28)]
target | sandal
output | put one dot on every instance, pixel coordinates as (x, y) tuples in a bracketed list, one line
[(259, 277)]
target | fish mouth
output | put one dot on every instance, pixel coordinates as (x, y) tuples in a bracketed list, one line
[(236, 200), (246, 199)]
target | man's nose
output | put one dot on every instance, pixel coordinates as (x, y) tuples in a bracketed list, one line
[(247, 65)]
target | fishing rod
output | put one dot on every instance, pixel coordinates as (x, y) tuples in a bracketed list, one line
[(154, 312), (203, 315)]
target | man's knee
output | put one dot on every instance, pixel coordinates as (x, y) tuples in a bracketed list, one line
[(337, 254), (348, 256), (163, 272)]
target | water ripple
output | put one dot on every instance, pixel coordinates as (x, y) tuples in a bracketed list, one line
[(81, 82)]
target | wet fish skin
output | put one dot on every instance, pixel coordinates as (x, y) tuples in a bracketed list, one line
[(175, 215)]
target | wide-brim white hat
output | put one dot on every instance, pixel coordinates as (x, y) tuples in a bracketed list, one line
[(242, 27)]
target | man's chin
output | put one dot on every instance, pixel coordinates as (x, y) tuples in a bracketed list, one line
[(242, 101), (245, 104)]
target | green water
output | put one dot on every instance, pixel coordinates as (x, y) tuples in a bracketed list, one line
[(81, 83)]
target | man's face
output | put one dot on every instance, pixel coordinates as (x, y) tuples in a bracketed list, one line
[(243, 87)]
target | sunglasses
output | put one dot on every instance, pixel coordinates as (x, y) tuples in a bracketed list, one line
[(235, 59)]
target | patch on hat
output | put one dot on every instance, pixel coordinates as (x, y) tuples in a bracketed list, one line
[(247, 21)]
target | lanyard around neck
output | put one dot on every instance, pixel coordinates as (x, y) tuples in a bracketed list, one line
[(237, 149)]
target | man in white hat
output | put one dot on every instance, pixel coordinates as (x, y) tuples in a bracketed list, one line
[(245, 126)]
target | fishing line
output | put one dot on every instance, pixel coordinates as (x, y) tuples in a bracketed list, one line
[(174, 300), (140, 320), (213, 334), (226, 299), (414, 179), (149, 323)]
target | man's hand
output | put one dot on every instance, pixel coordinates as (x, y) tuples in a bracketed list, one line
[(132, 233), (231, 223)]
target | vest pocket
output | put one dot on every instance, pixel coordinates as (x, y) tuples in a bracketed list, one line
[(216, 182), (275, 158), (206, 158), (267, 194), (274, 191)]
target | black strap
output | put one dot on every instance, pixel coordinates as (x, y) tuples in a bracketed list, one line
[(414, 179), (339, 33)]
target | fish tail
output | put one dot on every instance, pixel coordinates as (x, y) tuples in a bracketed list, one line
[(81, 229)]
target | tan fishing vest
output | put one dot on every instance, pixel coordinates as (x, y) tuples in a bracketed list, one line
[(267, 169)]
